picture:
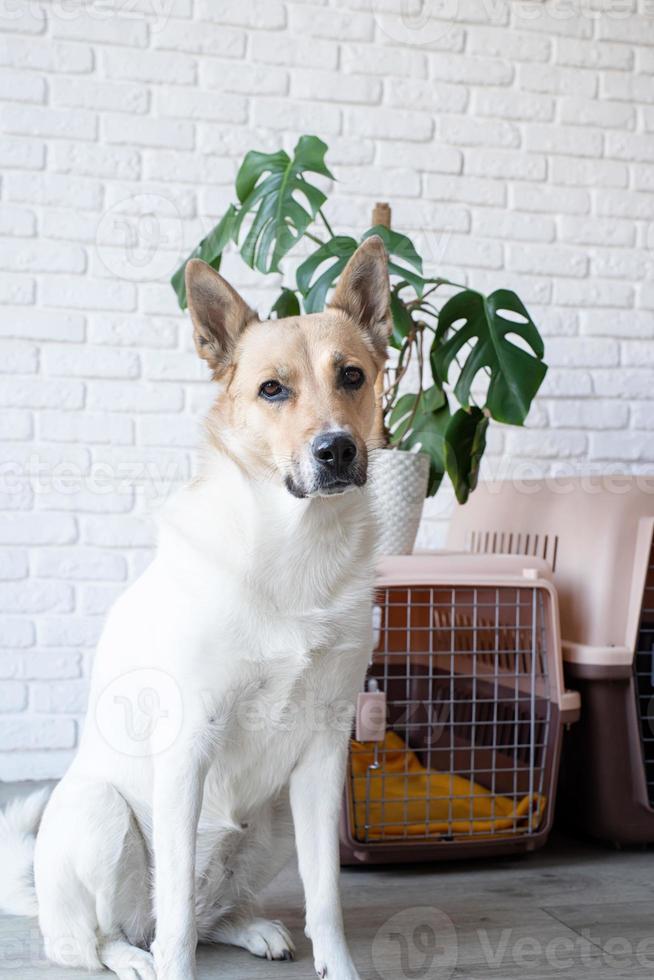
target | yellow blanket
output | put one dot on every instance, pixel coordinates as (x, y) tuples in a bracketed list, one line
[(412, 796)]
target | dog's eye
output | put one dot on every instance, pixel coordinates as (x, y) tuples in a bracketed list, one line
[(353, 377), (273, 391)]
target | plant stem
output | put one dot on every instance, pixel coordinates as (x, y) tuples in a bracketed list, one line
[(314, 238), (327, 224)]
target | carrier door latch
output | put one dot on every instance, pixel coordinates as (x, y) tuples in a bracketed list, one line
[(371, 714)]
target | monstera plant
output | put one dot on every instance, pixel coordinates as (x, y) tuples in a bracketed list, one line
[(462, 347)]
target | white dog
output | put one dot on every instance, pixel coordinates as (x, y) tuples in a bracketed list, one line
[(246, 640)]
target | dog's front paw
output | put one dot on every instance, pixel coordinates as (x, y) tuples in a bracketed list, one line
[(174, 960), (334, 962)]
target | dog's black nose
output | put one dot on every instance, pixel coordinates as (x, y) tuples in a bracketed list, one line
[(336, 451)]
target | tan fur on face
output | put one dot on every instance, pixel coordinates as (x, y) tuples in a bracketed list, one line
[(306, 354)]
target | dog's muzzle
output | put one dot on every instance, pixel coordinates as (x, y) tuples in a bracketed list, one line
[(337, 465)]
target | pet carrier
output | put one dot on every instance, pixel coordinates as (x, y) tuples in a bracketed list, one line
[(458, 733), (597, 534)]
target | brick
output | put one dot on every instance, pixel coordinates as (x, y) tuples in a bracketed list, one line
[(625, 204), (642, 416), (36, 597), (591, 54), (151, 66), (15, 424), (39, 325), (21, 86), (30, 733), (630, 146), (631, 87), (41, 256), (505, 104), (579, 414), (384, 183), (89, 363), (13, 696), (504, 164), (16, 289), (121, 397), (505, 225), (592, 112), (21, 154), (97, 600), (463, 131), (433, 97), (97, 493), (46, 55), (245, 78), (41, 393), (17, 222), (552, 444), (47, 764), (624, 446), (335, 25), (70, 697), (85, 428), (198, 38), (470, 70), (499, 43), (617, 323), (592, 292), (588, 173), (13, 564), (335, 88), (23, 19), (276, 49), (620, 264), (80, 564), (40, 665), (531, 15), (371, 59), (55, 190), (430, 157), (555, 200), (172, 133), (41, 121), (467, 190), (90, 160), (190, 104), (637, 353), (557, 81), (88, 294), (99, 96), (571, 140), (125, 31), (596, 231), (19, 358), (133, 331), (389, 124), (173, 366), (547, 260), (625, 383), (16, 633), (562, 383), (261, 14), (298, 116)]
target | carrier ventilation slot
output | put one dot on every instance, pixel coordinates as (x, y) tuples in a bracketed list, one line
[(543, 546)]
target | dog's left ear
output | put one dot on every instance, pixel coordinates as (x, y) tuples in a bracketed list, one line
[(218, 313), (363, 292)]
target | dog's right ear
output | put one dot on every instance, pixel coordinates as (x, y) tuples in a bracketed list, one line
[(218, 314)]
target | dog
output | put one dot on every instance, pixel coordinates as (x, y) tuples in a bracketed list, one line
[(244, 643)]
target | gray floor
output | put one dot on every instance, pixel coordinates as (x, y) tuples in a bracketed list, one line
[(573, 910)]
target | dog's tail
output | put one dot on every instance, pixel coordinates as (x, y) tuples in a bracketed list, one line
[(19, 823)]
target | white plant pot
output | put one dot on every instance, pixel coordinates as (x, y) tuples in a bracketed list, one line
[(398, 487)]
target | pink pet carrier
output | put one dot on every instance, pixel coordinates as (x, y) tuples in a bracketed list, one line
[(596, 532), (458, 738)]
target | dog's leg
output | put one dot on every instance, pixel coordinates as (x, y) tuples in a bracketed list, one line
[(316, 788), (178, 784)]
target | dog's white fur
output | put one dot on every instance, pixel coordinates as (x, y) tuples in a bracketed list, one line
[(255, 602)]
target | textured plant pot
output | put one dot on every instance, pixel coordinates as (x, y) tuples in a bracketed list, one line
[(398, 486)]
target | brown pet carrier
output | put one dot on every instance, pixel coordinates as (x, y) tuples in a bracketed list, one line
[(597, 534), (458, 734)]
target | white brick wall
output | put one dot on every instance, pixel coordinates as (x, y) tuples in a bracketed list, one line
[(515, 139)]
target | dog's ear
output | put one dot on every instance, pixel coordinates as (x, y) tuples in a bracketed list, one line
[(363, 292), (218, 314)]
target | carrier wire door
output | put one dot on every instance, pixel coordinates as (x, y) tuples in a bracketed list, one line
[(467, 670)]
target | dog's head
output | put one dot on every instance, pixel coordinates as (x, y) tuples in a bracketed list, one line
[(297, 400)]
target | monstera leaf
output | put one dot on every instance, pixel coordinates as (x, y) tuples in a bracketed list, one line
[(286, 304), (515, 374), (319, 272), (465, 442), (210, 250), (337, 251), (274, 192), (423, 426)]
